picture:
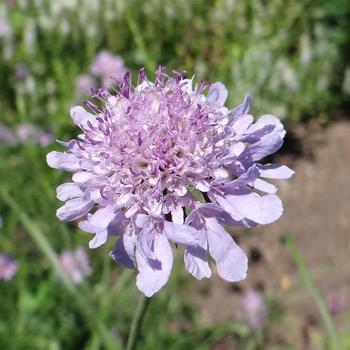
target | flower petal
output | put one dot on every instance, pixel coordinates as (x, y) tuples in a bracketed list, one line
[(264, 186), (246, 204), (145, 243), (151, 279), (177, 215), (243, 108), (217, 94), (267, 145), (118, 225), (63, 160), (68, 191), (196, 263), (123, 252), (269, 119), (99, 220), (98, 223), (231, 261), (246, 178), (242, 123), (275, 171), (196, 259), (182, 234), (80, 116), (74, 209)]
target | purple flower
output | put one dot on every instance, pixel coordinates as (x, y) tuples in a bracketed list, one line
[(106, 66), (334, 304), (253, 309), (28, 134), (153, 150), (4, 28), (21, 72), (84, 83), (7, 136), (8, 267), (76, 264)]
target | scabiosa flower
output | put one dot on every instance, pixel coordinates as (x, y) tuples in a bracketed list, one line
[(4, 28), (76, 264), (84, 83), (253, 309), (21, 72), (27, 133), (146, 159), (7, 136), (106, 65), (334, 304), (8, 267)]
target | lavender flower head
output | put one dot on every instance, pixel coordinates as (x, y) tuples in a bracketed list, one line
[(76, 264), (84, 83), (8, 267), (253, 309), (7, 136), (149, 157), (106, 66), (27, 133)]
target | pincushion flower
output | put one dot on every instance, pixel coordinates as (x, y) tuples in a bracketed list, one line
[(166, 161), (106, 65), (253, 309), (76, 264), (8, 267)]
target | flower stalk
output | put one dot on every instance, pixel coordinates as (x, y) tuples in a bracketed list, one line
[(135, 328)]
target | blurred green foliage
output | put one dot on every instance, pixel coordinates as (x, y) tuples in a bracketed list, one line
[(292, 56)]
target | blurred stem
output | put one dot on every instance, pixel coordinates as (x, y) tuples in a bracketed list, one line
[(311, 287), (137, 321), (140, 44)]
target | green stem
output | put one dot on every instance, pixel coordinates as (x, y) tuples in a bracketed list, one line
[(140, 44), (311, 287), (137, 321)]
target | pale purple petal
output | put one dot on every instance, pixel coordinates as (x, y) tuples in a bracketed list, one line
[(62, 160), (243, 108), (264, 186), (83, 176), (275, 171), (182, 234), (177, 215), (267, 145), (269, 119), (196, 263), (145, 243), (246, 204), (242, 123), (118, 225), (231, 261), (81, 117), (217, 94), (246, 178), (68, 191), (74, 209), (151, 279), (196, 259), (98, 223), (123, 252)]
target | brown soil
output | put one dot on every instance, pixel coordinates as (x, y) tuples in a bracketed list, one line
[(317, 216)]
